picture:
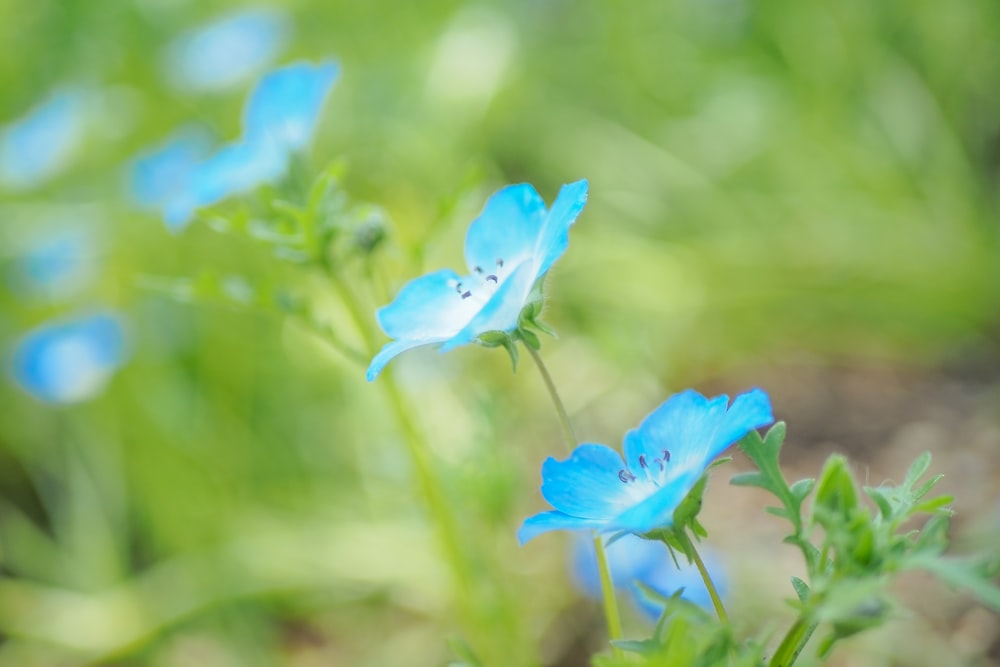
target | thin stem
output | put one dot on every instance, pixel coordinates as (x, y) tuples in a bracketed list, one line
[(709, 584), (611, 615), (564, 421), (793, 643)]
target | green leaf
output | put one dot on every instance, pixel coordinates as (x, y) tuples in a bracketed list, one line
[(835, 490), (801, 589)]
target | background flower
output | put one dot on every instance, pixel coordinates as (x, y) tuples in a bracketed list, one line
[(279, 118), (72, 360), (42, 143), (226, 51), (633, 560), (508, 248)]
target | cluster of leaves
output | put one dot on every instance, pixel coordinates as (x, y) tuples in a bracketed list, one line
[(852, 551)]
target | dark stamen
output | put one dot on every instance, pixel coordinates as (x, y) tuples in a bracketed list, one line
[(478, 269), (666, 456), (458, 288), (491, 277), (625, 476), (466, 294), (500, 262), (642, 461)]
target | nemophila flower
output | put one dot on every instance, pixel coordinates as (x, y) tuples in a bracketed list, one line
[(634, 561), (54, 262), (161, 173), (508, 249), (70, 361), (226, 51), (279, 118), (42, 143), (664, 458)]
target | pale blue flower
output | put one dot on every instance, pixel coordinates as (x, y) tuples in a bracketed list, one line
[(227, 51), (508, 248), (70, 361), (280, 117), (161, 173), (664, 458), (42, 143), (633, 561), (55, 262)]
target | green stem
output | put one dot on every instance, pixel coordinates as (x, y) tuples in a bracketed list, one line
[(611, 615), (793, 643), (709, 584), (564, 421), (437, 503)]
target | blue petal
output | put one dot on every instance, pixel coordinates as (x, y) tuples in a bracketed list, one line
[(163, 171), (285, 105), (508, 228), (236, 168), (226, 51), (586, 484), (695, 429), (39, 145), (428, 308), (657, 510), (629, 559), (388, 352), (502, 311), (71, 361), (544, 522), (554, 238)]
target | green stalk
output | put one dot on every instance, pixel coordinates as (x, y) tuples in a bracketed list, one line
[(720, 610), (564, 421), (611, 615), (791, 646)]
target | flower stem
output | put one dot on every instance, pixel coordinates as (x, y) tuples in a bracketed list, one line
[(793, 643), (611, 615), (564, 421), (709, 584)]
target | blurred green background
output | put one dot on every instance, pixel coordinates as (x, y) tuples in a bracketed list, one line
[(795, 195)]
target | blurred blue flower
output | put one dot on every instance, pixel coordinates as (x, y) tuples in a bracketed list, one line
[(508, 248), (664, 458), (70, 361), (633, 560), (54, 263), (39, 145), (226, 51), (280, 118), (161, 173)]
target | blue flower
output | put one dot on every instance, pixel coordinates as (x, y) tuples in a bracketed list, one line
[(55, 261), (633, 561), (279, 118), (664, 458), (508, 248), (39, 145), (161, 173), (227, 51), (70, 361)]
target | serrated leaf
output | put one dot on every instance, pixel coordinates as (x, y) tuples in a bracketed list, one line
[(884, 506), (749, 479), (926, 486), (917, 470), (802, 488), (777, 511), (801, 589)]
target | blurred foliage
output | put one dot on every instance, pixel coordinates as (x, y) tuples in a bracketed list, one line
[(770, 181)]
